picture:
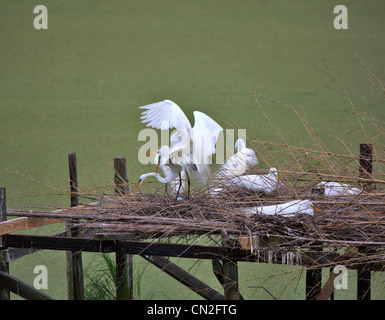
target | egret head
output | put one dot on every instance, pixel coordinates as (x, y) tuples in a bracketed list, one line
[(274, 172), (163, 156), (239, 145), (138, 184)]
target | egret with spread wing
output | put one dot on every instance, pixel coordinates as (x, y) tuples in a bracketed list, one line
[(196, 143)]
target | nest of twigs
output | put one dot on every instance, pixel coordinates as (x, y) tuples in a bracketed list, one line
[(347, 220)]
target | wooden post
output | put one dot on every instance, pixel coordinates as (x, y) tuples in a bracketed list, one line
[(230, 274), (313, 279), (124, 274), (74, 258), (73, 173), (365, 171), (363, 280), (4, 266), (120, 175), (366, 165)]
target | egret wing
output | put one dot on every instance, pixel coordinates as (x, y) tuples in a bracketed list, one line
[(205, 132), (204, 137), (165, 115)]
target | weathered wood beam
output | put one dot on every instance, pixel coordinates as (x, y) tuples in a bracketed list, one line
[(365, 171), (230, 272), (185, 278), (4, 265), (74, 257), (124, 267), (24, 223), (21, 288), (314, 279), (324, 259)]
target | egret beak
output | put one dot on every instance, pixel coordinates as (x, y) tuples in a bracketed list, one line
[(315, 208), (137, 187), (157, 167), (150, 153)]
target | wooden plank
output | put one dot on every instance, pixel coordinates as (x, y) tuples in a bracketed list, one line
[(130, 247), (185, 278), (21, 288), (12, 254), (4, 265), (24, 223), (324, 259)]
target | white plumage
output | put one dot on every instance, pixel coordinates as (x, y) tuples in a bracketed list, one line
[(338, 189), (167, 171), (287, 209), (171, 170), (266, 183), (238, 163), (197, 143)]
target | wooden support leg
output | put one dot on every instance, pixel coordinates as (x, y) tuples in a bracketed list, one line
[(124, 283), (4, 266), (313, 280), (363, 279), (230, 280), (365, 171), (124, 267), (313, 283), (227, 273), (74, 258)]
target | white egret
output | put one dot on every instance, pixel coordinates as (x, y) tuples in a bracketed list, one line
[(172, 170), (238, 163), (287, 209), (174, 184), (197, 143), (266, 183), (338, 189)]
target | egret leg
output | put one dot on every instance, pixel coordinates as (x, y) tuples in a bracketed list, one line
[(180, 185), (188, 183)]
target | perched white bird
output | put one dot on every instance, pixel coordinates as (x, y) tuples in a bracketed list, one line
[(173, 171), (238, 163), (266, 183), (287, 209), (197, 143), (338, 189)]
